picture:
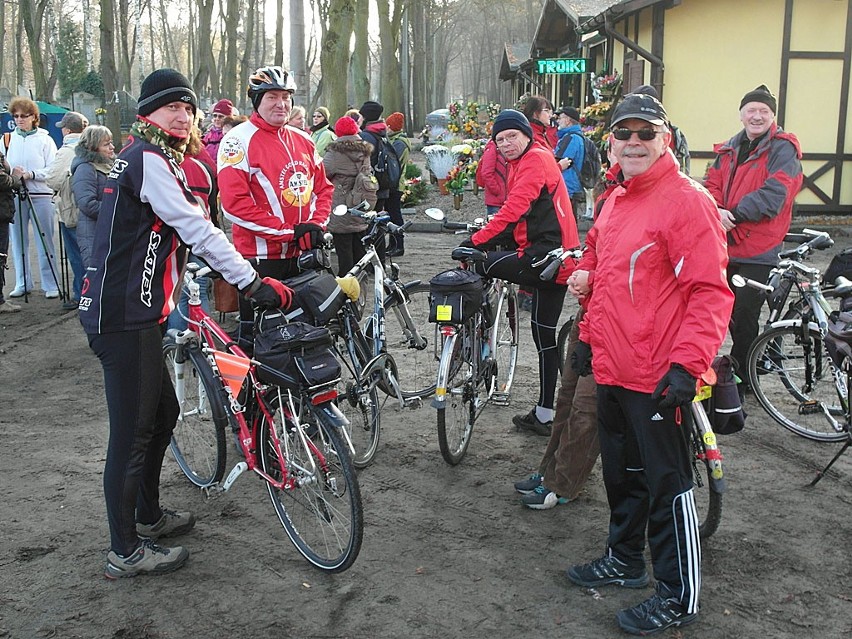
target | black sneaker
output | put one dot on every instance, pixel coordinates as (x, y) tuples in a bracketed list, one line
[(653, 615), (531, 423), (608, 570), (526, 486), (148, 558)]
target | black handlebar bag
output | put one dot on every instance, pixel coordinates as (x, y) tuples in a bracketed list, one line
[(455, 296), (725, 408), (295, 354)]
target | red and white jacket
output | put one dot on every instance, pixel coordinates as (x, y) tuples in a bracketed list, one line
[(660, 294), (270, 180)]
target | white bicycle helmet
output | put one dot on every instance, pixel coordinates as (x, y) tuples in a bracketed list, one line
[(271, 78)]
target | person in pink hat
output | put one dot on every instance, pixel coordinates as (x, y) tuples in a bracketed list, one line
[(222, 109)]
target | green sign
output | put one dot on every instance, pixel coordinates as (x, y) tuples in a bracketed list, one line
[(561, 65)]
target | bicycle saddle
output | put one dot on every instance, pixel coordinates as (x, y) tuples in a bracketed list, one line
[(467, 254)]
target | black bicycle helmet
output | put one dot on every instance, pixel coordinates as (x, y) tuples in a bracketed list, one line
[(271, 78)]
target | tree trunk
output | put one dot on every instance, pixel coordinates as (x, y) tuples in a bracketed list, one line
[(389, 33), (334, 56), (229, 77), (361, 54), (420, 79), (32, 16), (250, 10), (205, 72), (108, 68), (297, 50), (279, 32)]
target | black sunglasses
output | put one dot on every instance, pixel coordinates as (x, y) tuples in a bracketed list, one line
[(645, 135)]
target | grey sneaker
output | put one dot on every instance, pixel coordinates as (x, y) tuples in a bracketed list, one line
[(171, 524), (608, 570), (148, 558), (531, 423), (542, 498), (526, 486), (8, 307)]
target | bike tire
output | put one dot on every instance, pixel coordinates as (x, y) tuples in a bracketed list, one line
[(415, 367), (198, 440), (562, 342), (458, 413), (777, 366), (504, 344), (708, 500), (321, 512), (358, 400)]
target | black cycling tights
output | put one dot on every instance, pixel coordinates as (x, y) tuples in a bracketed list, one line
[(143, 411), (546, 308)]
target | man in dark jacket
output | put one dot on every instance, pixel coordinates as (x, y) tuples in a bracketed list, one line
[(754, 180)]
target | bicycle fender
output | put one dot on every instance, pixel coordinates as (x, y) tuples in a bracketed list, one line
[(791, 323), (331, 415)]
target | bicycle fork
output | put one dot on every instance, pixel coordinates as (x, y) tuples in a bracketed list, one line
[(711, 449)]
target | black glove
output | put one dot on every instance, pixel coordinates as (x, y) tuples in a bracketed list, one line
[(268, 293), (467, 244), (681, 387), (581, 359), (308, 235)]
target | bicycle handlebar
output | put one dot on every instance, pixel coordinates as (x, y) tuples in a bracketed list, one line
[(808, 240)]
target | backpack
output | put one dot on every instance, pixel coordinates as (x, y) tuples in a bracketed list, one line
[(364, 188), (590, 172), (386, 167)]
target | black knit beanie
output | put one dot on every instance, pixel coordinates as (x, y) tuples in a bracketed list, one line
[(761, 94), (371, 111), (163, 86), (511, 119)]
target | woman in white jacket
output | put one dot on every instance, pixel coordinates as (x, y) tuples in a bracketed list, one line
[(30, 150)]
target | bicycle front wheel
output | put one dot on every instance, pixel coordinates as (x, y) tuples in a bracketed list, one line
[(504, 344), (708, 498), (198, 440), (320, 503), (462, 400), (793, 381), (415, 364)]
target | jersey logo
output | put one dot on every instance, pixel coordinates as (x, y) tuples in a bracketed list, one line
[(297, 191), (231, 151)]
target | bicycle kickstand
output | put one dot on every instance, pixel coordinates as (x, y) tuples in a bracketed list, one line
[(823, 472)]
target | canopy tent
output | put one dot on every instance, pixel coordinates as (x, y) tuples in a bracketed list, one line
[(51, 115)]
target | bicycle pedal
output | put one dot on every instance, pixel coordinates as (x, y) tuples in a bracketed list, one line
[(810, 407), (500, 398), (414, 403)]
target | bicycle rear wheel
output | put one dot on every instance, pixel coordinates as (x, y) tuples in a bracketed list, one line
[(358, 401), (462, 401), (415, 366), (793, 381), (504, 344), (198, 440), (320, 506)]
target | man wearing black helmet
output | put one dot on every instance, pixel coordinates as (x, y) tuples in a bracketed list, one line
[(272, 184), (147, 219)]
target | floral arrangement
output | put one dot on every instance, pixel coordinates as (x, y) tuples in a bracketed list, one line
[(471, 119), (100, 111), (457, 178), (414, 191), (609, 82), (439, 160), (593, 120)]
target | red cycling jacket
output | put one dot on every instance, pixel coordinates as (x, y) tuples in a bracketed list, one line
[(660, 294), (537, 205), (759, 192), (270, 180), (492, 174)]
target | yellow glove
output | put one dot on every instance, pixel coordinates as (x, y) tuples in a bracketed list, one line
[(350, 286)]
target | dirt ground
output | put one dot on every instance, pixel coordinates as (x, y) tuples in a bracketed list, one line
[(448, 551)]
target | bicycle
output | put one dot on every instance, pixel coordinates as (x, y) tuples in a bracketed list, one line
[(468, 370), (392, 356), (290, 433), (791, 371), (502, 307)]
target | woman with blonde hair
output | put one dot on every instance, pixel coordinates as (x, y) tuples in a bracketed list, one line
[(95, 153), (30, 150), (297, 118)]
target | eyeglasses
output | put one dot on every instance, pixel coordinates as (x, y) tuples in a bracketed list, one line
[(646, 135), (317, 115), (21, 116)]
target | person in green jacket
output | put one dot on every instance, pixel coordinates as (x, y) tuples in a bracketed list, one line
[(402, 145), (321, 132)]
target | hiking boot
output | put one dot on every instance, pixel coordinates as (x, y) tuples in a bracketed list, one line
[(8, 307), (654, 615), (531, 423), (526, 486), (542, 498), (608, 570), (171, 524), (148, 558)]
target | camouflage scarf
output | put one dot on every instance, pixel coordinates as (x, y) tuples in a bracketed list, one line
[(173, 146)]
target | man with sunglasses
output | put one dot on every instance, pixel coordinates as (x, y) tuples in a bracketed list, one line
[(754, 180), (656, 315)]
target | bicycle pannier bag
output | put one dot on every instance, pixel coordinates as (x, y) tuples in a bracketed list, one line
[(455, 296), (841, 264), (293, 354), (724, 406), (317, 299)]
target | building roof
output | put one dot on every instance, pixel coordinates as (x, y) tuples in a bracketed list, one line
[(557, 24), (514, 55)]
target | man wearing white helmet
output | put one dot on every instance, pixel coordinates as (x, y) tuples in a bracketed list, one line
[(272, 184)]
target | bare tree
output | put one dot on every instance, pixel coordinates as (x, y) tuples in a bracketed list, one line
[(334, 55), (108, 67), (32, 19), (361, 55), (297, 49), (205, 78), (390, 83)]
